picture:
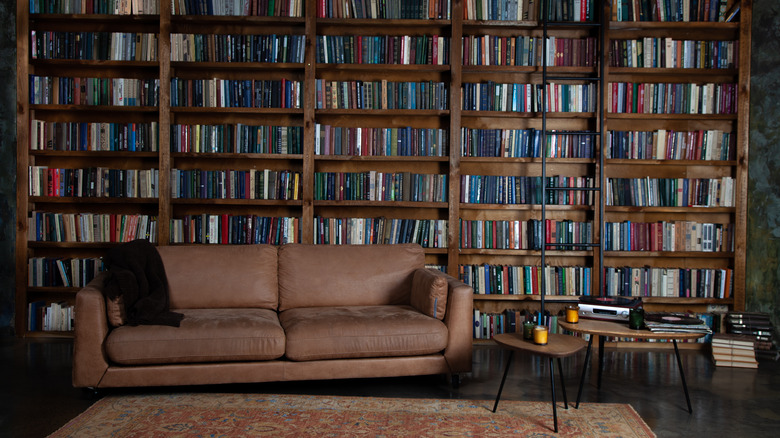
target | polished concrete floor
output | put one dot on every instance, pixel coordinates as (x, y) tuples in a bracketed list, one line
[(36, 397)]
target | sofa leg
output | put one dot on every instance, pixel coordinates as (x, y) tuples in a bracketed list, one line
[(90, 393), (455, 380)]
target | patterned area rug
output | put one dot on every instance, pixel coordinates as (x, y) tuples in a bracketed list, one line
[(253, 415)]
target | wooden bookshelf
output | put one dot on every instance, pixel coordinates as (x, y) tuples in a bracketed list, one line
[(452, 133)]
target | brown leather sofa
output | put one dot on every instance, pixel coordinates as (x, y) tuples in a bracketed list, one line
[(296, 312)]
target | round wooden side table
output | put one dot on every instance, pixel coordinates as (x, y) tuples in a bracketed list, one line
[(557, 347)]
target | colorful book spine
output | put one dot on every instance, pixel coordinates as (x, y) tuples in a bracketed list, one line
[(240, 93), (381, 95), (671, 98), (94, 136), (48, 90)]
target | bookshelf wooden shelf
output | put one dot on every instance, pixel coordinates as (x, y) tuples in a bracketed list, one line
[(444, 132)]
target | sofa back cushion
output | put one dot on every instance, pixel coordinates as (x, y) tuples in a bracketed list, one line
[(207, 277), (346, 275)]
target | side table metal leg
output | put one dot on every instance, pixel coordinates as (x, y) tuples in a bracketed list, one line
[(501, 387), (584, 370), (563, 385), (682, 376), (552, 387), (601, 358)]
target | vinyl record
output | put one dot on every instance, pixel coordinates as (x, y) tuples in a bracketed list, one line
[(671, 318)]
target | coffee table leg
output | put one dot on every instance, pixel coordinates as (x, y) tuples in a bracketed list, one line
[(501, 387), (682, 376), (584, 370), (601, 358), (563, 385), (552, 387)]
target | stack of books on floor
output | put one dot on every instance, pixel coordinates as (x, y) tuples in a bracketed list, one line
[(730, 350), (758, 327), (675, 323)]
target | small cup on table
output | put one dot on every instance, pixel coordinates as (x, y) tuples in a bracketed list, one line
[(572, 314)]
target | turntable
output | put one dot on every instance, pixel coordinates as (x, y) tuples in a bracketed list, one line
[(608, 308)]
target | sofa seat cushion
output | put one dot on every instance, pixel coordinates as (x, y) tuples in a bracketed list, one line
[(315, 333), (205, 335)]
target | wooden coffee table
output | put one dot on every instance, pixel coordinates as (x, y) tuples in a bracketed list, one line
[(602, 329), (558, 346)]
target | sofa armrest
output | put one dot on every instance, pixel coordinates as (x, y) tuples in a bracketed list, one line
[(459, 320), (91, 330)]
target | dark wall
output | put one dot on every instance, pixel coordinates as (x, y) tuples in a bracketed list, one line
[(763, 257), (763, 239), (7, 161)]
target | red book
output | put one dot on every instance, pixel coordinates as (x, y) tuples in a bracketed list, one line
[(224, 228)]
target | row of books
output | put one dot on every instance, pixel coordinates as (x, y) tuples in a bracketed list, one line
[(554, 97), (428, 233), (665, 144), (380, 186), (529, 234), (668, 282), (240, 93), (526, 280), (55, 316), (90, 227), (393, 9), (385, 142), (526, 50), (107, 7), (235, 229), (496, 189), (489, 324), (97, 182), (47, 90), (235, 184), (262, 8), (237, 48), (93, 46), (383, 49), (381, 95), (649, 52), (668, 236), (524, 143), (669, 10), (670, 192), (672, 98), (58, 271), (519, 10), (94, 136), (238, 138)]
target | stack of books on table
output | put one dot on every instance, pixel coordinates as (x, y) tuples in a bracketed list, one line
[(729, 350), (758, 327)]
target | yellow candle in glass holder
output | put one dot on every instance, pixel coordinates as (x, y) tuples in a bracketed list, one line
[(572, 314), (540, 335)]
